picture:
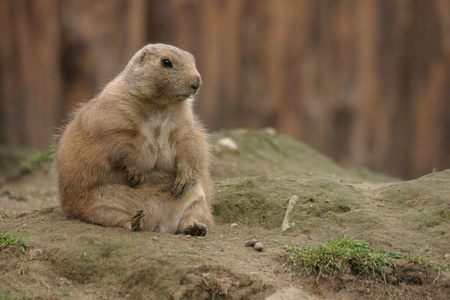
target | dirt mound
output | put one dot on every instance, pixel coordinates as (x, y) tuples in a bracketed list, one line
[(406, 216), (255, 173), (246, 152), (79, 259)]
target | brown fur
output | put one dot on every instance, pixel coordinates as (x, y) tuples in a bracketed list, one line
[(135, 146)]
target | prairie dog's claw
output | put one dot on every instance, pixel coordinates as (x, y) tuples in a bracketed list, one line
[(178, 189), (134, 177), (136, 221)]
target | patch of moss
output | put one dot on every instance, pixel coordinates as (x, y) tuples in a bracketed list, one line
[(6, 296), (426, 199), (263, 152), (260, 201), (435, 218)]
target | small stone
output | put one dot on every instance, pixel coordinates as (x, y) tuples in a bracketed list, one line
[(327, 200), (233, 225), (251, 243), (271, 130), (226, 144), (259, 246), (35, 252), (446, 255), (155, 238), (323, 215), (290, 293), (310, 205)]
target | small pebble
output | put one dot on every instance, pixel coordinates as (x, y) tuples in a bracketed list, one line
[(226, 144), (36, 252), (327, 200), (233, 225), (323, 215), (259, 247), (310, 205), (250, 243), (446, 255), (271, 130)]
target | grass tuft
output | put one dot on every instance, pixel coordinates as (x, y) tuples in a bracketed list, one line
[(339, 256), (11, 241), (36, 161), (7, 297), (426, 262)]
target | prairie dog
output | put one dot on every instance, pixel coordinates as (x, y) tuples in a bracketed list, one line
[(135, 156)]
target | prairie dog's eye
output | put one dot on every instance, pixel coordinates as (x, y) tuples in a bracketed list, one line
[(166, 63)]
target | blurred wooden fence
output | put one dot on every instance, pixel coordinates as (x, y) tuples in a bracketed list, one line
[(364, 81)]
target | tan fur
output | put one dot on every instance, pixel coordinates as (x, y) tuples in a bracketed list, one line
[(135, 145)]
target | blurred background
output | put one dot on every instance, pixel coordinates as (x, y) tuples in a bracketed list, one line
[(366, 82)]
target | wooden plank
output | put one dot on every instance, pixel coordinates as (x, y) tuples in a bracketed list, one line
[(364, 81)]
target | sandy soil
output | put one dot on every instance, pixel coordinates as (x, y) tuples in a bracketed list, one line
[(252, 184)]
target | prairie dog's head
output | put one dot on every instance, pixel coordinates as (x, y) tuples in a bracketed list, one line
[(162, 73)]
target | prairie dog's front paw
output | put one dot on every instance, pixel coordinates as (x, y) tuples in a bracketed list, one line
[(134, 177), (181, 183)]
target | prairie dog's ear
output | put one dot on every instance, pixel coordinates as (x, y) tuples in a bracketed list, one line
[(143, 57)]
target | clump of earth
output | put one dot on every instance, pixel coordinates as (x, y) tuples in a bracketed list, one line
[(255, 174)]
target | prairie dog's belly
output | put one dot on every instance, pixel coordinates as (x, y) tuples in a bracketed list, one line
[(156, 148)]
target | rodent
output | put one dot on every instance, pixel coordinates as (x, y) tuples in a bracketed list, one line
[(136, 156)]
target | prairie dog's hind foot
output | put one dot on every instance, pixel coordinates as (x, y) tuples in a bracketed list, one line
[(195, 229), (136, 221)]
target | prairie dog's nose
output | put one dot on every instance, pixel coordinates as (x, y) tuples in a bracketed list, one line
[(196, 82)]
